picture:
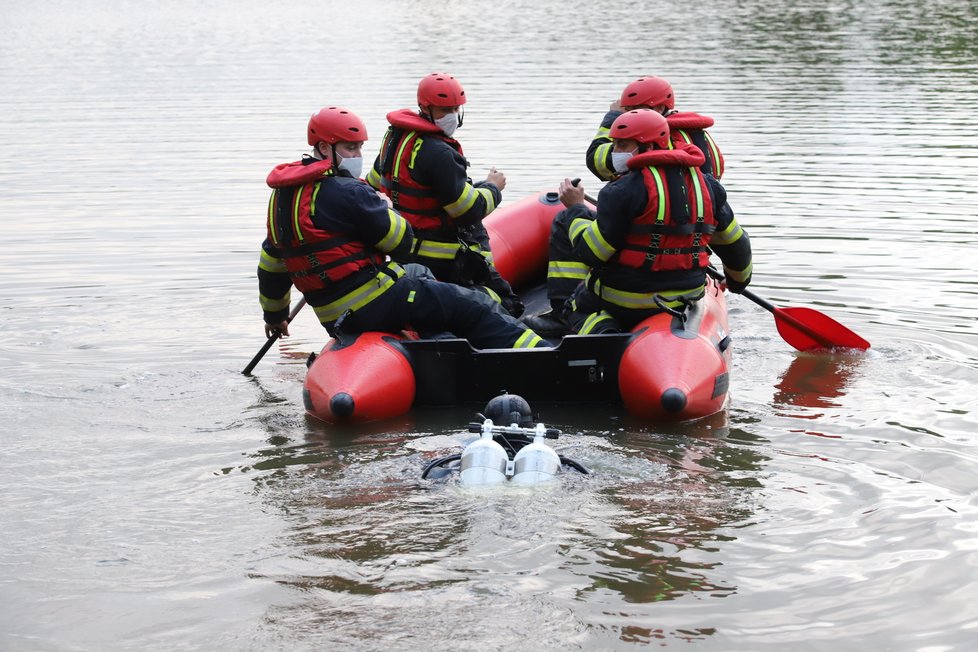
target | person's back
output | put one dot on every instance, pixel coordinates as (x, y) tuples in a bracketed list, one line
[(650, 241), (564, 271), (330, 235), (422, 169)]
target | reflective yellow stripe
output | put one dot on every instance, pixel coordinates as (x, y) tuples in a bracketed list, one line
[(492, 294), (577, 227), (729, 235), (567, 269), (739, 274), (400, 150), (490, 200), (395, 234), (645, 300), (272, 201), (374, 179), (596, 242), (360, 296), (373, 176), (527, 340), (592, 321), (312, 204), (270, 263), (717, 160), (478, 249), (699, 194), (437, 249), (465, 201), (274, 305), (414, 152), (660, 190), (602, 154), (295, 214)]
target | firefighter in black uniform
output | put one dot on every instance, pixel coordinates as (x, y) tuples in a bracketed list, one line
[(564, 273), (331, 236), (649, 243), (423, 171)]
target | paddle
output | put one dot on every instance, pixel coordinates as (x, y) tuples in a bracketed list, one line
[(805, 329), (272, 339)]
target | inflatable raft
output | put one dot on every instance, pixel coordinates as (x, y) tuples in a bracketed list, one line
[(671, 367)]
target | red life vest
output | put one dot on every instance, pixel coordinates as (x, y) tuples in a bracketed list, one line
[(413, 200), (689, 127), (674, 230), (315, 258)]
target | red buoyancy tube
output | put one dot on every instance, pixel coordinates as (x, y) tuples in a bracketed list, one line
[(674, 230), (413, 200), (314, 257)]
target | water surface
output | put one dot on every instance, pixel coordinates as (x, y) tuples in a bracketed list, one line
[(154, 498)]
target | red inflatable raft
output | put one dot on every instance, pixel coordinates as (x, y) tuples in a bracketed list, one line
[(671, 367)]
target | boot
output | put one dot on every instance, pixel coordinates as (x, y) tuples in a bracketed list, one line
[(549, 323)]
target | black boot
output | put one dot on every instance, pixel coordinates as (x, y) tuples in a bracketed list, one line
[(549, 323)]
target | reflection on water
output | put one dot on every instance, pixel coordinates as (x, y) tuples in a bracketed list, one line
[(831, 505), (814, 381)]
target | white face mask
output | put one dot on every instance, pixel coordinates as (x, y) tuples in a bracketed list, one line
[(448, 124), (352, 165), (619, 161)]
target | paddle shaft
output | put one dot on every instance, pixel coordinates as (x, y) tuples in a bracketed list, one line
[(778, 312), (823, 330), (272, 339)]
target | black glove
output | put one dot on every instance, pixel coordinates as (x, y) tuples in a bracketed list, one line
[(513, 305)]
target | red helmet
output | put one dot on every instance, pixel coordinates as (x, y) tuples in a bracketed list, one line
[(644, 125), (440, 89), (648, 91), (334, 124)]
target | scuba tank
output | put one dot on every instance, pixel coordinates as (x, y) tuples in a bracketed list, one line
[(516, 451), (484, 461), (536, 462)]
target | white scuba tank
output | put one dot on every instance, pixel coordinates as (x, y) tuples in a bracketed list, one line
[(484, 461), (536, 462)]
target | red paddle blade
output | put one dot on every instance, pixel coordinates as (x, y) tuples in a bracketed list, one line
[(809, 330)]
